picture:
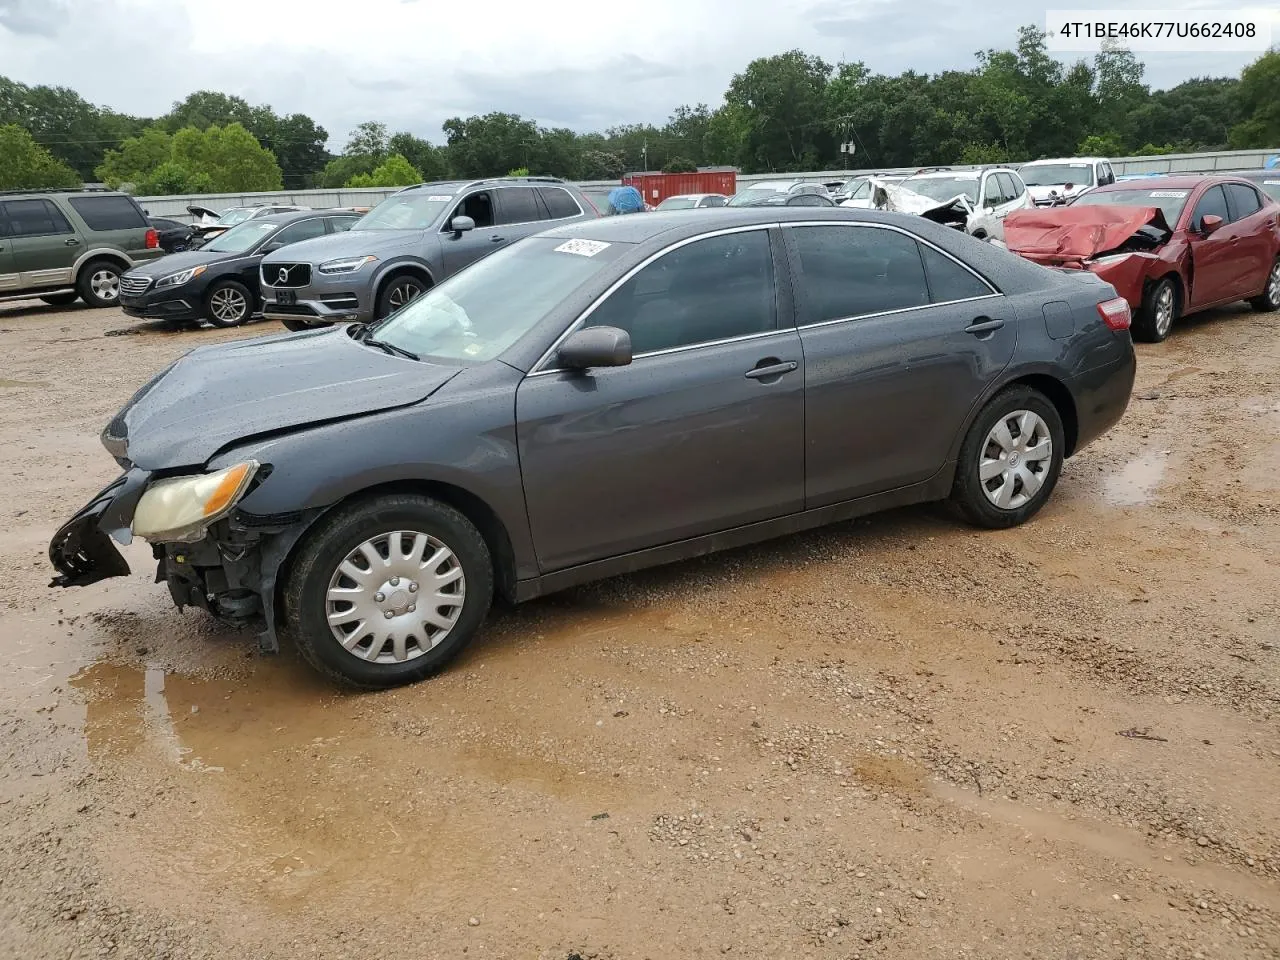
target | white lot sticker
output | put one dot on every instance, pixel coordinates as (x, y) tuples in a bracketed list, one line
[(1166, 194), (583, 248), (1272, 182), (440, 196)]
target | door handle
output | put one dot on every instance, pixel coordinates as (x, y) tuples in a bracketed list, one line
[(983, 325), (73, 242), (495, 239), (767, 369)]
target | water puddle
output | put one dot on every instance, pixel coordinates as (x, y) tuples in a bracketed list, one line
[(1136, 482)]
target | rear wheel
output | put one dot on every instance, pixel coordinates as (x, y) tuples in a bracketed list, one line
[(1159, 310), (99, 283), (295, 325), (387, 591), (1010, 459), (228, 304), (398, 291), (61, 299), (1270, 299)]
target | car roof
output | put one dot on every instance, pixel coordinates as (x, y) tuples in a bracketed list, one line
[(1034, 163)]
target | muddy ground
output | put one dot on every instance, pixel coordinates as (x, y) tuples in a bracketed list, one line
[(896, 738)]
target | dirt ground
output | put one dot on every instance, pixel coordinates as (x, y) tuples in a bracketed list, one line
[(896, 738)]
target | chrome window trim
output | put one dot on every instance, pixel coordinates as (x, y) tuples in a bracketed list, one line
[(538, 370), (918, 239), (522, 223)]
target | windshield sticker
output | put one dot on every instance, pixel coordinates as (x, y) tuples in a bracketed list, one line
[(583, 248), (1271, 182), (440, 196), (1168, 194)]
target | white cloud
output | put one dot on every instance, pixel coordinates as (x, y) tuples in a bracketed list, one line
[(413, 63)]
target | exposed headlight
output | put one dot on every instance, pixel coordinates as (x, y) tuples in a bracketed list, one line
[(180, 509), (177, 279), (345, 265)]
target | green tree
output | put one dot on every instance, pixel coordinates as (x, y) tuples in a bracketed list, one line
[(679, 165), (368, 140), (518, 172), (339, 171), (687, 130), (1120, 90), (601, 165), (1101, 145), (233, 159), (489, 145), (395, 171), (1259, 102), (136, 158), (25, 165), (170, 178), (782, 99), (983, 153), (426, 157), (69, 127)]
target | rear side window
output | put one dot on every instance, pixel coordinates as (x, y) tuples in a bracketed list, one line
[(850, 272), (559, 202), (948, 280), (108, 213), (34, 218), (1244, 201), (519, 205)]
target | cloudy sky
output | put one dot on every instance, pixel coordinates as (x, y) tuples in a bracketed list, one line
[(413, 63)]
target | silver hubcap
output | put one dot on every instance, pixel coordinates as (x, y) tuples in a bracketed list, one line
[(228, 305), (1164, 310), (402, 293), (105, 284), (395, 597), (1273, 287), (1015, 459)]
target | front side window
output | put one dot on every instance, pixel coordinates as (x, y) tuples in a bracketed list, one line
[(477, 206), (1212, 204), (519, 205), (295, 232), (712, 289), (848, 272), (993, 191), (35, 218)]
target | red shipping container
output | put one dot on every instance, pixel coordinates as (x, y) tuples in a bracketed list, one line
[(656, 187)]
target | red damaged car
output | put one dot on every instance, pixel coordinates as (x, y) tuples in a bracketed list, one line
[(1169, 245)]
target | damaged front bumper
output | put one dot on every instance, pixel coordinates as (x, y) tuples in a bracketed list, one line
[(231, 572)]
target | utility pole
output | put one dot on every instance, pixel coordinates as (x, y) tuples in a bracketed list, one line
[(644, 152)]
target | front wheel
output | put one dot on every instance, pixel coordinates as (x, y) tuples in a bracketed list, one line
[(1010, 459), (399, 291), (387, 591), (297, 325), (1270, 299), (61, 299), (228, 304), (1159, 310)]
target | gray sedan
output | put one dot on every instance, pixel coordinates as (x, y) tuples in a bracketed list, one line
[(600, 398)]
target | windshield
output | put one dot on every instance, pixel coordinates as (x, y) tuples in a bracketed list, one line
[(234, 216), (406, 211), (944, 188), (479, 312), (758, 192), (1057, 174), (1170, 202), (241, 238), (677, 203)]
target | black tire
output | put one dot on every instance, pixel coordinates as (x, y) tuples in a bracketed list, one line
[(296, 325), (399, 290), (61, 299), (969, 495), (94, 287), (305, 605), (1159, 311), (228, 303), (1270, 298)]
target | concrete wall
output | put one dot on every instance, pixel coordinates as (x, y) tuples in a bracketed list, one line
[(176, 207)]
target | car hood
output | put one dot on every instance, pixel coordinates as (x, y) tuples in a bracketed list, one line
[(223, 393), (1062, 234), (177, 262), (891, 195), (351, 243)]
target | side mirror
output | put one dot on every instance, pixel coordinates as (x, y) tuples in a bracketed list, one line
[(1068, 186), (595, 347), (460, 225), (1209, 223)]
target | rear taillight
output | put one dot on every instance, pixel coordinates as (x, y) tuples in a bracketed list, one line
[(153, 238), (1116, 313)]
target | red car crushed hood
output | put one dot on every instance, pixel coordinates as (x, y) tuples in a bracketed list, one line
[(1119, 244)]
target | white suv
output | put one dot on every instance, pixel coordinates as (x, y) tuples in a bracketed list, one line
[(1061, 180), (992, 193)]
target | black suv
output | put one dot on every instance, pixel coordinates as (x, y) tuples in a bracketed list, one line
[(62, 245)]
